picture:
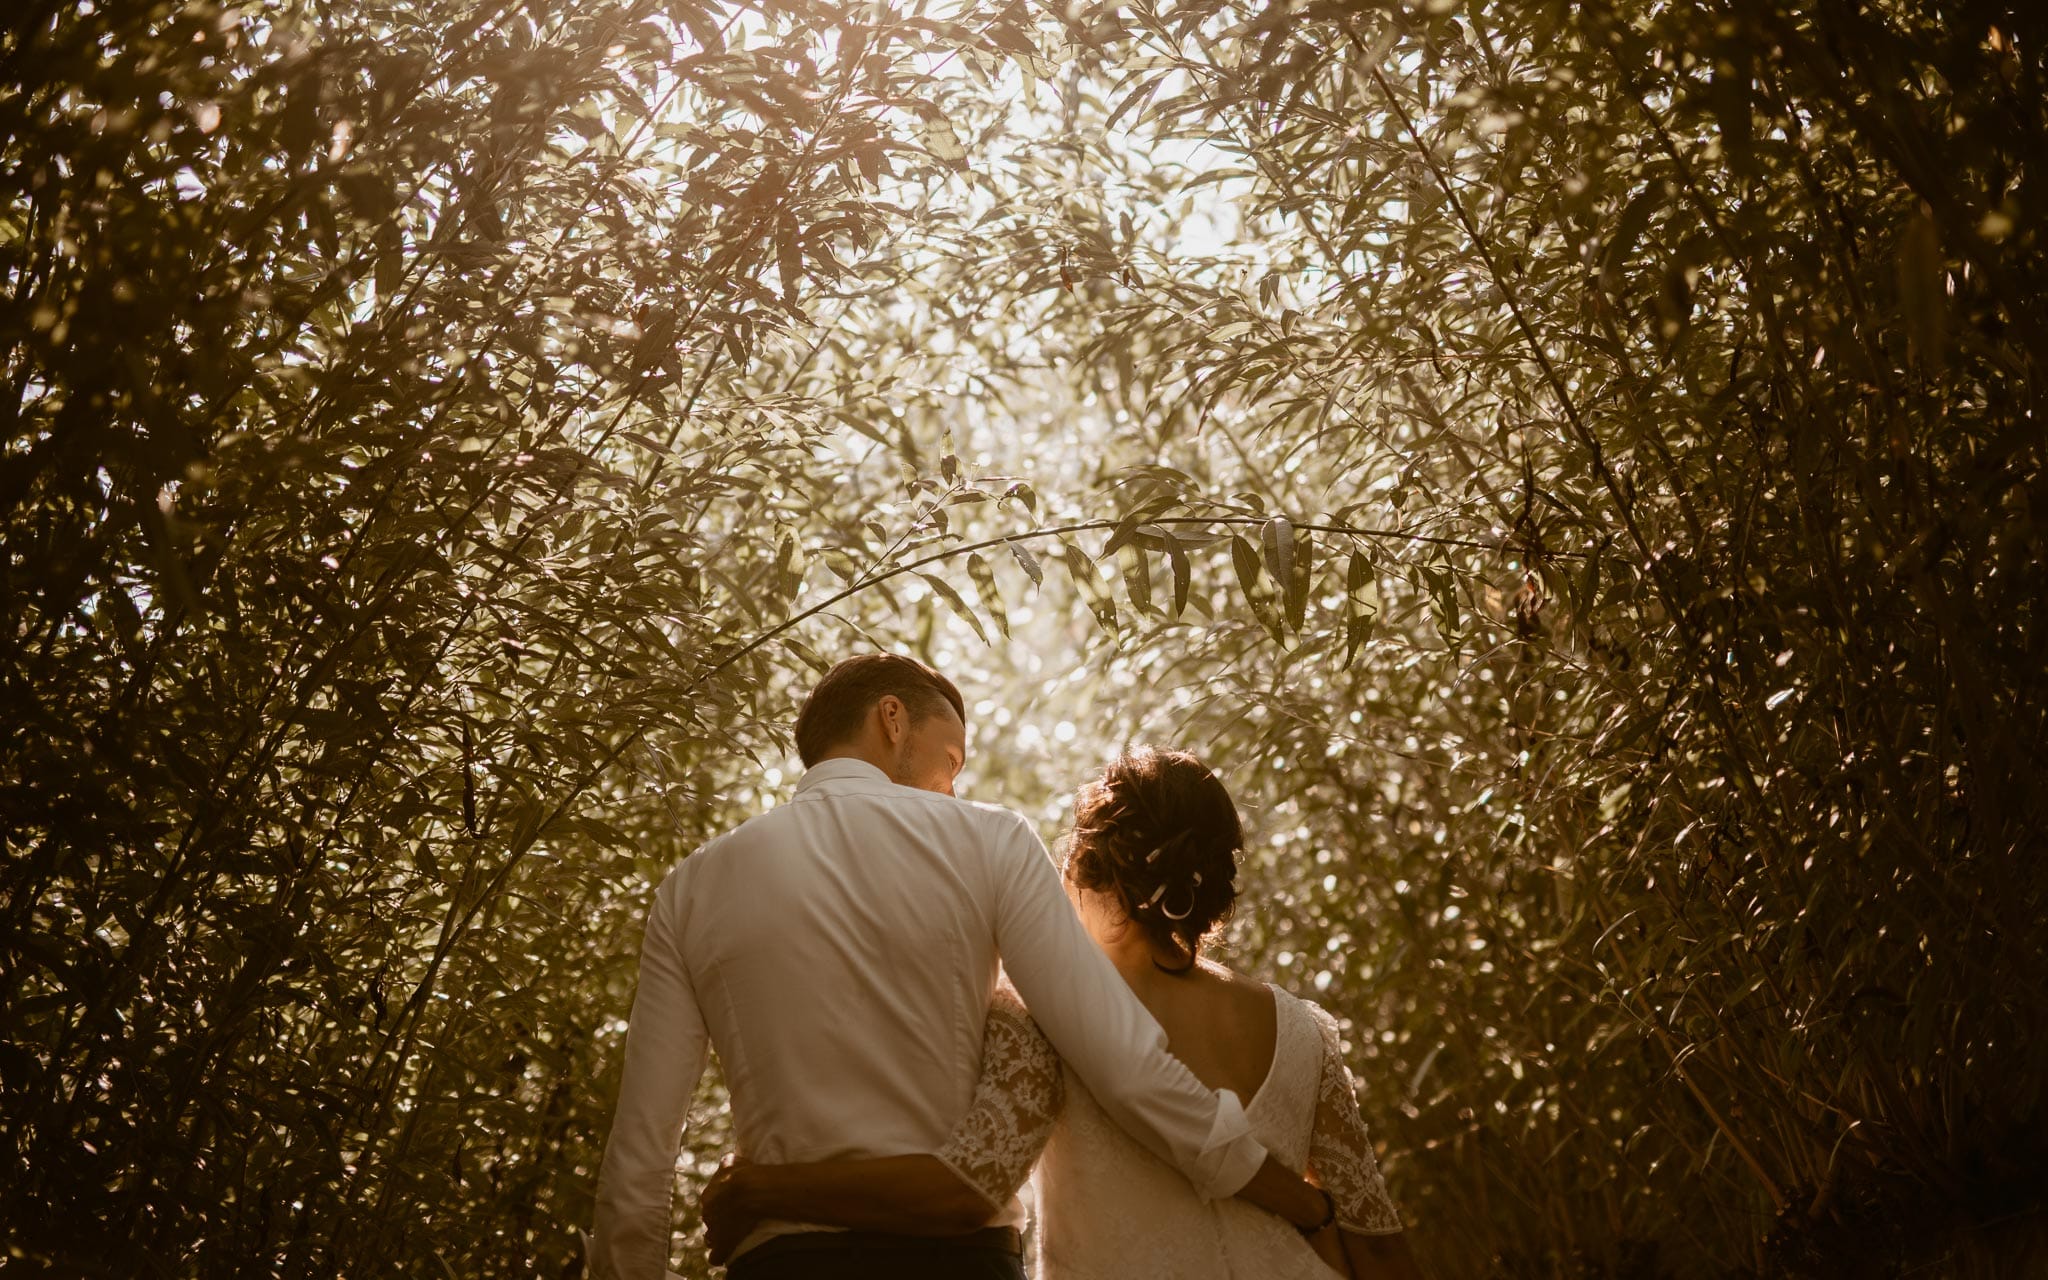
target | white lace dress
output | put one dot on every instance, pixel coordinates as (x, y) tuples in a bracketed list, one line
[(1110, 1209)]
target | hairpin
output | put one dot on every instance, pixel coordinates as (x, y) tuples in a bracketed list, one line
[(1169, 912)]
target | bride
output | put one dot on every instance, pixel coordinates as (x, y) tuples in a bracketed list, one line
[(1152, 870)]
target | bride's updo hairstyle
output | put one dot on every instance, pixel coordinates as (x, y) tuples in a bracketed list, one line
[(1157, 832)]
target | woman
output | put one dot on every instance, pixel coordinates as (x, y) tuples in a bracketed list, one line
[(1152, 869)]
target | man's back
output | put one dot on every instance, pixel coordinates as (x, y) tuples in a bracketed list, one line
[(842, 954)]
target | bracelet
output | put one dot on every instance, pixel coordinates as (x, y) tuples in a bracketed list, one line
[(1329, 1213)]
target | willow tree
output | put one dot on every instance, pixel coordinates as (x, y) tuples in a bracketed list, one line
[(1574, 470), (401, 409)]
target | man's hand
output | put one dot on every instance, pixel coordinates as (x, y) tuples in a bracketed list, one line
[(1279, 1189), (728, 1214)]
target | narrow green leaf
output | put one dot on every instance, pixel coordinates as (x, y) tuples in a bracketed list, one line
[(1027, 562), (1278, 536), (1443, 589), (1622, 242), (944, 590), (1104, 610), (789, 255), (808, 654), (985, 587), (1177, 556), (1081, 569), (1358, 574), (1126, 529), (1247, 562), (1138, 577), (1301, 578), (789, 562), (1357, 630)]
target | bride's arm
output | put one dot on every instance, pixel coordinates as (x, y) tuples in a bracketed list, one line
[(1340, 1152), (1382, 1257), (954, 1191)]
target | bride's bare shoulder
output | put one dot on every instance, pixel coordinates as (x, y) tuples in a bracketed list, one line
[(1238, 986)]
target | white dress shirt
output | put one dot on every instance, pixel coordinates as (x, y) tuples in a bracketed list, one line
[(840, 951)]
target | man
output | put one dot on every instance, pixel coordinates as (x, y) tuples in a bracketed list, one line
[(840, 952)]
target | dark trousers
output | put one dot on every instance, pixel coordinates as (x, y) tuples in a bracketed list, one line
[(871, 1255)]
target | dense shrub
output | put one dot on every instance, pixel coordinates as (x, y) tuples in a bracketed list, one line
[(1574, 470)]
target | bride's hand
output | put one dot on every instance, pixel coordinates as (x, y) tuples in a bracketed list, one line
[(1329, 1246), (728, 1218)]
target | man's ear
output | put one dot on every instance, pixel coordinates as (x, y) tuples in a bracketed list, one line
[(894, 718)]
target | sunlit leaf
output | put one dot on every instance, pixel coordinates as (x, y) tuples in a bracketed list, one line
[(985, 587)]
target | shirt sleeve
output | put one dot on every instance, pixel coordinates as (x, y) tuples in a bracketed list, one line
[(1340, 1149), (1106, 1035), (1016, 1102), (666, 1048)]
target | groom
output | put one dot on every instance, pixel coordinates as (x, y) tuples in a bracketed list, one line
[(840, 951)]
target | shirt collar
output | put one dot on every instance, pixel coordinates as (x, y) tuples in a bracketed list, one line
[(839, 769)]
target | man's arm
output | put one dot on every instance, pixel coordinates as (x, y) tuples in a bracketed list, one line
[(666, 1048), (1106, 1035), (986, 1158), (913, 1195), (1279, 1189)]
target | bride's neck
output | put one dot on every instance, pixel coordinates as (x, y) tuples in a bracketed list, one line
[(1142, 966)]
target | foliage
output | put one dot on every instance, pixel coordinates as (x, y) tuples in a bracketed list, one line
[(1575, 470)]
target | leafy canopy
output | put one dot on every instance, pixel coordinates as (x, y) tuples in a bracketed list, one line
[(1574, 470)]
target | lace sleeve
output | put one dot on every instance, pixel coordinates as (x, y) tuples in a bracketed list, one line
[(1340, 1150), (1015, 1103)]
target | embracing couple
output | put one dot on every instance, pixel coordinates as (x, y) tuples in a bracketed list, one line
[(914, 1008)]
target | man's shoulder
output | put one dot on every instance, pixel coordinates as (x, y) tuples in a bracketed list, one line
[(785, 820), (705, 854), (1002, 827), (999, 815), (937, 803), (725, 841)]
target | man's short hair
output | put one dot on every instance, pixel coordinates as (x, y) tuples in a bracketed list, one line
[(833, 712)]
